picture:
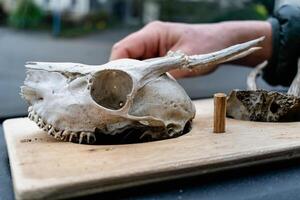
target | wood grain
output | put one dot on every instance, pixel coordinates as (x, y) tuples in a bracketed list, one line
[(43, 168)]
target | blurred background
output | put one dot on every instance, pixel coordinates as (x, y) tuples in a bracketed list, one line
[(84, 31)]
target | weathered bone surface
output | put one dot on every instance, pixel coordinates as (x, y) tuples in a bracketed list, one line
[(82, 103), (265, 106)]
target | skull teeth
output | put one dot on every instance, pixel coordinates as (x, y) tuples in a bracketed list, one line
[(58, 134), (36, 118), (30, 109), (41, 123), (30, 115), (87, 137), (47, 127), (51, 131), (91, 138), (65, 135), (73, 137)]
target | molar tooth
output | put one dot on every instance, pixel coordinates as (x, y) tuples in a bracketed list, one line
[(57, 134), (73, 137), (47, 127), (65, 135), (41, 123), (30, 109), (82, 134), (91, 138), (70, 138), (51, 131), (35, 118), (87, 137), (32, 117)]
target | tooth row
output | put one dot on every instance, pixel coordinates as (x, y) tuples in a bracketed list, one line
[(66, 135)]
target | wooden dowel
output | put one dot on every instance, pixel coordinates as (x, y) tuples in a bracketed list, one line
[(219, 112)]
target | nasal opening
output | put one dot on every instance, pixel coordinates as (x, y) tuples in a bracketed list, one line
[(110, 88)]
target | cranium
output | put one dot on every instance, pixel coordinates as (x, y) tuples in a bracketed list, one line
[(265, 106), (82, 103)]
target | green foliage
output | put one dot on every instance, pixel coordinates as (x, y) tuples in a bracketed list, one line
[(210, 11), (93, 22), (261, 10), (26, 15), (250, 12)]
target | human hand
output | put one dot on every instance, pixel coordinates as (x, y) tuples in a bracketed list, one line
[(157, 38)]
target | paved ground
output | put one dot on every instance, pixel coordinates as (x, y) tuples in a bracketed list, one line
[(17, 47)]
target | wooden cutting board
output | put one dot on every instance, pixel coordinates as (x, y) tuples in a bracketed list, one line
[(44, 168)]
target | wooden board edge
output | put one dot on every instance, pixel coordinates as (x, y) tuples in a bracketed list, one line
[(9, 155), (132, 181)]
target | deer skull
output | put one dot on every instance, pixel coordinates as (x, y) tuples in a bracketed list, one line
[(79, 103)]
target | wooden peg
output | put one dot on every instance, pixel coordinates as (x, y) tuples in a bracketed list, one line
[(219, 112)]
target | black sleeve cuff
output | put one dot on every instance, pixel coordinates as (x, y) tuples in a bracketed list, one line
[(282, 67)]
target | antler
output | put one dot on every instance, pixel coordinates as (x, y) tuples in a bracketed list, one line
[(256, 72), (179, 60), (295, 86)]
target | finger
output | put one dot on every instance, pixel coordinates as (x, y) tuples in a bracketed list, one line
[(177, 73), (117, 52), (131, 46), (185, 73), (151, 41), (141, 44)]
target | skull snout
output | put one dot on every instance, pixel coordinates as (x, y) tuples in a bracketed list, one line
[(110, 88)]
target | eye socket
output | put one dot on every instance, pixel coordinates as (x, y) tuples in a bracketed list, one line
[(110, 88), (274, 107)]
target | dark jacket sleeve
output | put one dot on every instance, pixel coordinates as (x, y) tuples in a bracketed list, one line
[(282, 67)]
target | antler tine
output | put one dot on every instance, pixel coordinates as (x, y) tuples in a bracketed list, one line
[(295, 86), (228, 54), (257, 71)]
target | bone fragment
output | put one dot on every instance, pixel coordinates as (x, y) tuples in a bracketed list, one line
[(295, 86), (256, 72)]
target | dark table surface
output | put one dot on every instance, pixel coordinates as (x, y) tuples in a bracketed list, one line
[(280, 180)]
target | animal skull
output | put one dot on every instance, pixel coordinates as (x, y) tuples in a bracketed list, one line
[(265, 106), (79, 103)]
